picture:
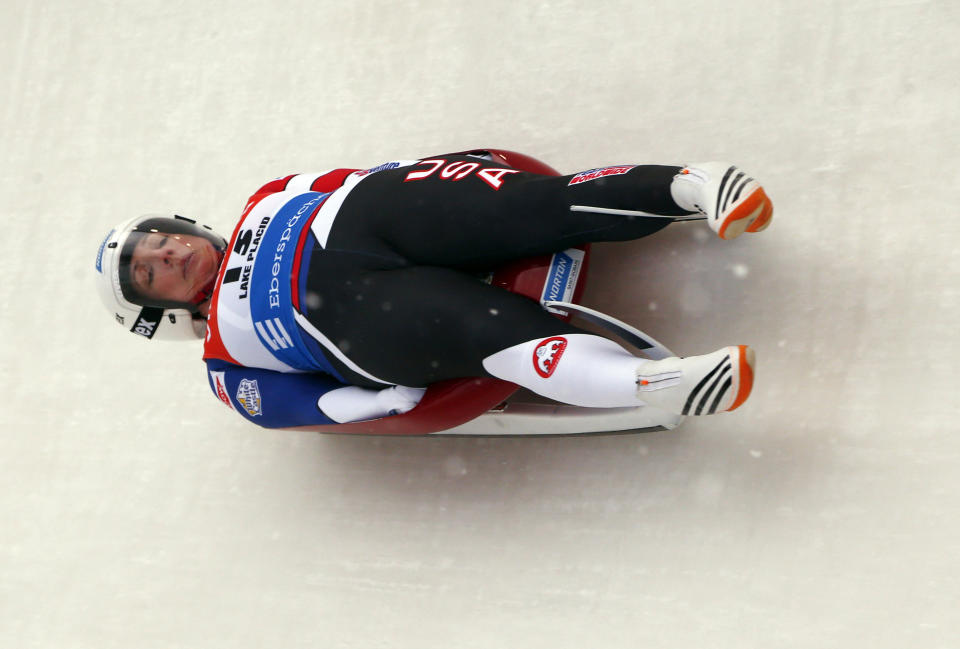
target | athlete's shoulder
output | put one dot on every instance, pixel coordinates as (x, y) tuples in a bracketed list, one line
[(324, 181)]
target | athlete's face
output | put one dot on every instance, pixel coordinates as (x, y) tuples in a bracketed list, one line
[(172, 266)]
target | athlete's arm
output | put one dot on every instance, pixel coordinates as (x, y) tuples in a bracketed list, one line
[(270, 399), (325, 181), (284, 400)]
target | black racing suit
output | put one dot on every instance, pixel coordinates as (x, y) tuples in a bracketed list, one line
[(396, 289)]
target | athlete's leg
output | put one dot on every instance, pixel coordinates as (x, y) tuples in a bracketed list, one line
[(467, 214), (418, 325)]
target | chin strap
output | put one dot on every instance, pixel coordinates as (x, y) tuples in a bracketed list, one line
[(204, 294)]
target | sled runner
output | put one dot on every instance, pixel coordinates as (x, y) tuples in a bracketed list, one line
[(482, 406)]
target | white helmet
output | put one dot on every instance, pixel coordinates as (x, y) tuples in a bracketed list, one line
[(164, 320)]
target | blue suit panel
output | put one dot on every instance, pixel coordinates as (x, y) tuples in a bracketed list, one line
[(268, 398)]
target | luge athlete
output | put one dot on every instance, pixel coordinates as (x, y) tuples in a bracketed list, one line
[(341, 295)]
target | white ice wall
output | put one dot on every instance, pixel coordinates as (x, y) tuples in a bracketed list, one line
[(135, 511)]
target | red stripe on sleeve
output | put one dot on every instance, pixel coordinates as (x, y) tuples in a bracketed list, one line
[(275, 186), (331, 180)]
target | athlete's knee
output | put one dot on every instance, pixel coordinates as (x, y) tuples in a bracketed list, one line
[(580, 369)]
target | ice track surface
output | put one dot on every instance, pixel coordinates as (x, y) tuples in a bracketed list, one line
[(136, 511)]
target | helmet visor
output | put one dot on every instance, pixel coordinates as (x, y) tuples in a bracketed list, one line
[(170, 263)]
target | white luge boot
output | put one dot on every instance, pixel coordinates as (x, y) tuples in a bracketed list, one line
[(732, 201), (698, 385)]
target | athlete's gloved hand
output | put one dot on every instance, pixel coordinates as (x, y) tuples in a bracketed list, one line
[(399, 398), (353, 403)]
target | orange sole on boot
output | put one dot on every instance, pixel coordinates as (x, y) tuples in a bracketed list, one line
[(745, 364), (763, 220), (747, 213)]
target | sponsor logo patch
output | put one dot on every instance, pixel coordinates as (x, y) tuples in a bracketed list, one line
[(248, 394), (562, 278), (146, 323), (220, 387), (100, 252), (287, 236), (602, 172), (547, 355), (373, 170)]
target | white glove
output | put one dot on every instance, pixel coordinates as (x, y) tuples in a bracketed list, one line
[(399, 399), (353, 403)]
